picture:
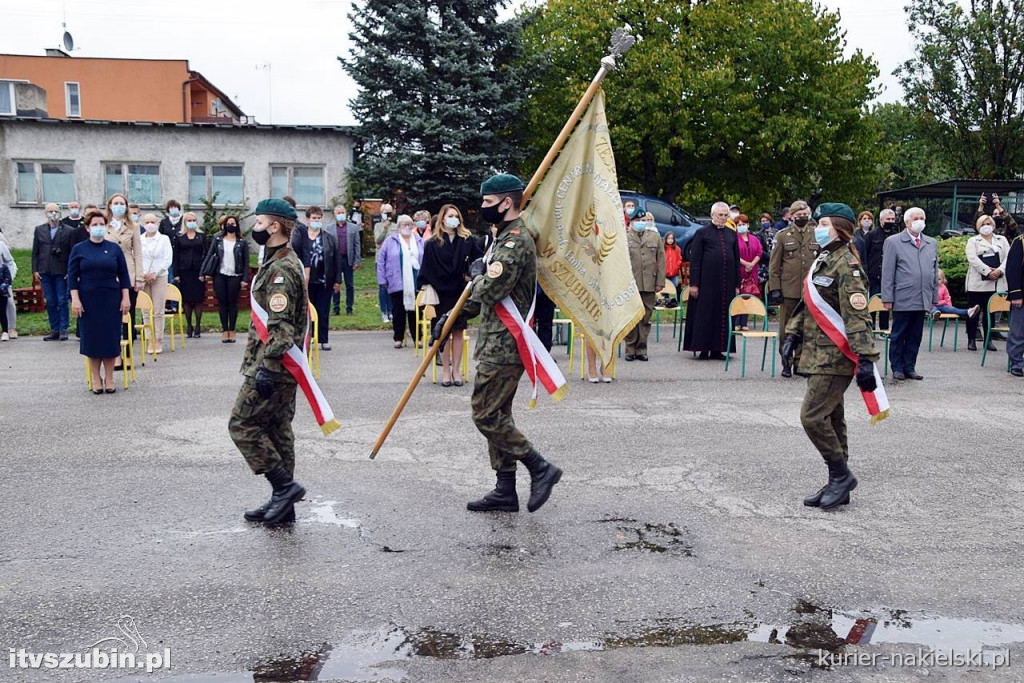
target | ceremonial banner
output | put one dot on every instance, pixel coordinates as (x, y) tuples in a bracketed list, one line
[(582, 256)]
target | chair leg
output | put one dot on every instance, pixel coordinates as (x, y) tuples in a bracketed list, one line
[(885, 371), (743, 362), (657, 326), (956, 333), (764, 353), (88, 374), (124, 367), (774, 341), (728, 345), (931, 328)]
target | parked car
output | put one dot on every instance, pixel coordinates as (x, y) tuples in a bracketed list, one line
[(668, 217)]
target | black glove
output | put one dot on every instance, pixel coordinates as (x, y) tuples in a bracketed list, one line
[(866, 374), (476, 269), (775, 297), (435, 331), (264, 383), (790, 344)]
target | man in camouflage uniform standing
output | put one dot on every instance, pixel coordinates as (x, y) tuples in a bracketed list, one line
[(261, 421), (793, 252), (842, 283), (511, 271)]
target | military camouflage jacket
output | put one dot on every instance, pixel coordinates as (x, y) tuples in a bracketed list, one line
[(280, 289), (511, 271), (793, 252), (842, 282)]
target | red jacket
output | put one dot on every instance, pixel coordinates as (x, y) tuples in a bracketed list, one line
[(673, 260)]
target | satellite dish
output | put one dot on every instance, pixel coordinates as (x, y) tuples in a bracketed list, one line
[(69, 42)]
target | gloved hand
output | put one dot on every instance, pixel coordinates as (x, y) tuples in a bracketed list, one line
[(790, 345), (775, 297), (264, 383), (477, 268), (435, 331), (866, 374)]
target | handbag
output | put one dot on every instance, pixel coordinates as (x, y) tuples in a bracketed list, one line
[(430, 297)]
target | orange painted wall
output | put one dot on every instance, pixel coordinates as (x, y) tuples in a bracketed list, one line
[(111, 89)]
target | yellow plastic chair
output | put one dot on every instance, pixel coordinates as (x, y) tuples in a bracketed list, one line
[(418, 331), (424, 321), (127, 357), (177, 318), (875, 305), (748, 304), (313, 352), (567, 322), (683, 302), (578, 336), (145, 305), (997, 303), (670, 291)]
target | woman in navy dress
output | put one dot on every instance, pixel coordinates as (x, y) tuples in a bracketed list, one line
[(99, 281)]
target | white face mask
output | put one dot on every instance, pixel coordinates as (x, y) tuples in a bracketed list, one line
[(917, 227), (987, 230), (339, 217), (150, 227), (734, 215), (865, 224), (451, 222)]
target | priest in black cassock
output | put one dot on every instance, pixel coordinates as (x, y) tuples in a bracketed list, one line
[(714, 281)]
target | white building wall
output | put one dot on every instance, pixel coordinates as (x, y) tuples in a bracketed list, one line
[(89, 145)]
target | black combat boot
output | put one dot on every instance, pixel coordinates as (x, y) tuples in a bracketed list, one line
[(502, 499), (814, 500), (787, 370), (287, 492), (840, 482), (543, 477), (256, 515)]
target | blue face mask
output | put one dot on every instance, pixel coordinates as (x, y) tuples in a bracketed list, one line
[(742, 229), (174, 211), (98, 232), (821, 236), (315, 225), (421, 224), (117, 209), (191, 225), (640, 226)]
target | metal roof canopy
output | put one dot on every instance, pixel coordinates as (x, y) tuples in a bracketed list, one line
[(959, 190)]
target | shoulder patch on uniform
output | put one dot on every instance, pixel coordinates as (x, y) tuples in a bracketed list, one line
[(279, 280), (510, 244), (858, 301), (278, 303), (495, 269), (823, 280), (856, 273)]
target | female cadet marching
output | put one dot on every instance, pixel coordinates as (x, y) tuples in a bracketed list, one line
[(833, 326), (261, 421)]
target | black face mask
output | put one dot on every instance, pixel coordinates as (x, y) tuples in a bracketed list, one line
[(492, 214), (800, 222), (999, 221), (260, 237), (230, 228), (888, 227)]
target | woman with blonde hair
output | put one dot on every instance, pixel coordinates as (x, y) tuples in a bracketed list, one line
[(125, 234), (446, 258), (986, 274), (157, 257)]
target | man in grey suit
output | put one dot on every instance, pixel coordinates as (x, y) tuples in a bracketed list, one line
[(910, 288), (347, 233), (51, 245)]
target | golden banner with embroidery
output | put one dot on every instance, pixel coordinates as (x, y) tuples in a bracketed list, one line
[(582, 256)]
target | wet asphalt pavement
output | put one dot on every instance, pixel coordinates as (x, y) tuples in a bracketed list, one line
[(676, 547)]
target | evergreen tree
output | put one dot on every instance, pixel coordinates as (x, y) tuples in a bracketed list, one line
[(438, 94)]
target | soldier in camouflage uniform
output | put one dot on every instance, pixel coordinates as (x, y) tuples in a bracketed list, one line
[(511, 271), (841, 281), (793, 252), (261, 421)]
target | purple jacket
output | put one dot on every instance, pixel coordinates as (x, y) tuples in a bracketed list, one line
[(389, 265)]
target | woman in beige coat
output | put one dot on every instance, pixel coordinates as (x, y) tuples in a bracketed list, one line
[(125, 234), (986, 274)]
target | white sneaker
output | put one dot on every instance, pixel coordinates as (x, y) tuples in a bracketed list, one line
[(973, 311), (5, 337), (14, 334), (384, 318)]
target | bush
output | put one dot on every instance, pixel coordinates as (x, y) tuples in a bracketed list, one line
[(953, 261)]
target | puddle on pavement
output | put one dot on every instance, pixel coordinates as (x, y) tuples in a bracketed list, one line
[(322, 512), (651, 538), (378, 655)]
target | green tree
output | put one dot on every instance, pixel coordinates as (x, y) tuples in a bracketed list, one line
[(749, 100), (438, 91), (967, 78), (906, 154)]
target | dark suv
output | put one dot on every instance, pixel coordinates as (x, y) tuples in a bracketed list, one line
[(668, 217)]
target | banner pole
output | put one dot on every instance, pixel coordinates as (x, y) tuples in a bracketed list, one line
[(621, 43)]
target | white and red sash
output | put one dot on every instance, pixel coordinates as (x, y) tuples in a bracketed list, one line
[(831, 323), (296, 363), (536, 359)]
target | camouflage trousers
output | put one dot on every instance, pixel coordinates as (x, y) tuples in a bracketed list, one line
[(823, 417), (636, 340), (493, 393), (262, 428)]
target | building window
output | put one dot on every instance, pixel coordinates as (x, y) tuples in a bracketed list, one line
[(7, 105), (139, 182), (221, 184), (40, 182), (73, 100), (304, 183)]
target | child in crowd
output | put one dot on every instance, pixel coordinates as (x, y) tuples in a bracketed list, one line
[(673, 260), (946, 302)]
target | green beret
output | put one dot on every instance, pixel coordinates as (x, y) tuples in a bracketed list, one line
[(275, 207), (501, 184), (834, 210)]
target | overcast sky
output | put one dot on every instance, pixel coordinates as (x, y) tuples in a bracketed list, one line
[(231, 42)]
